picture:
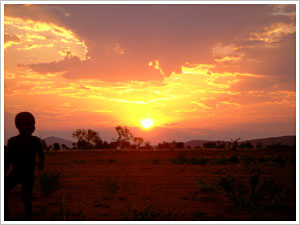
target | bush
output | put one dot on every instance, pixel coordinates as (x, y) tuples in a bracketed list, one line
[(149, 213), (180, 159), (221, 161), (234, 159), (279, 160), (49, 182), (206, 188), (262, 160), (111, 160), (111, 185), (195, 161), (155, 161), (253, 195)]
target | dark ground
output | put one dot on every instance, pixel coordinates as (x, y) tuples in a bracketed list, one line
[(185, 185)]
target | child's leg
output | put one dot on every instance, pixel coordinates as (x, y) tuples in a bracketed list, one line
[(27, 186), (10, 182)]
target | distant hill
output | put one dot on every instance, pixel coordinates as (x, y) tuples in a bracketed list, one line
[(51, 140), (195, 143), (284, 140)]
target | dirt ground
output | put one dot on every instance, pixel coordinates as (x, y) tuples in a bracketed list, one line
[(183, 185)]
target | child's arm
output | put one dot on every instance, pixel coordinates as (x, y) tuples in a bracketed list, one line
[(41, 155)]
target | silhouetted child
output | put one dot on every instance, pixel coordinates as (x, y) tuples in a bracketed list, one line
[(22, 151)]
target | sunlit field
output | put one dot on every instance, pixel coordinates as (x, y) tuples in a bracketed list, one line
[(169, 185)]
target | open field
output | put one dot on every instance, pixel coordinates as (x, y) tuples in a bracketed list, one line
[(170, 185)]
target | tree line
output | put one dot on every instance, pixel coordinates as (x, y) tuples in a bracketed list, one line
[(90, 139)]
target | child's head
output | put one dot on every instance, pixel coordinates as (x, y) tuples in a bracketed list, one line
[(25, 123)]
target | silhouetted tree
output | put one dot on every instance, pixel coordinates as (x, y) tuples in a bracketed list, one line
[(56, 146), (148, 145), (221, 144), (235, 143), (124, 136), (164, 145), (63, 146), (113, 145), (105, 145), (259, 146), (138, 141), (179, 145), (98, 143), (87, 139), (210, 145), (246, 145), (83, 144)]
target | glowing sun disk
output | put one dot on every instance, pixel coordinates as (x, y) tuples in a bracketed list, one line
[(147, 123)]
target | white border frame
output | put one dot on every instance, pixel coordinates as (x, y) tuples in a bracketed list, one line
[(145, 3)]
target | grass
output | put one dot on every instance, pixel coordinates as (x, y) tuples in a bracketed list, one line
[(234, 160), (111, 160), (102, 205), (110, 185), (279, 160), (255, 194), (197, 214), (79, 161), (155, 161), (181, 159), (221, 161), (206, 188), (99, 161), (49, 182), (262, 160), (149, 213)]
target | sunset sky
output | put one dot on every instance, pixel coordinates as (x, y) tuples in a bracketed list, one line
[(195, 71)]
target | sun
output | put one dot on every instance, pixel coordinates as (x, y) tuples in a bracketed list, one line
[(147, 123)]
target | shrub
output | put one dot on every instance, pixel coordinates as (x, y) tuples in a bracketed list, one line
[(155, 161), (147, 214), (206, 188), (253, 195), (235, 190), (49, 182), (180, 159), (100, 161), (111, 160), (279, 160), (111, 185), (197, 214), (262, 160), (234, 159), (221, 161), (195, 161)]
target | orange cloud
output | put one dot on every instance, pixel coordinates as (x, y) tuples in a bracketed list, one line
[(273, 33), (35, 36), (155, 64), (10, 40)]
